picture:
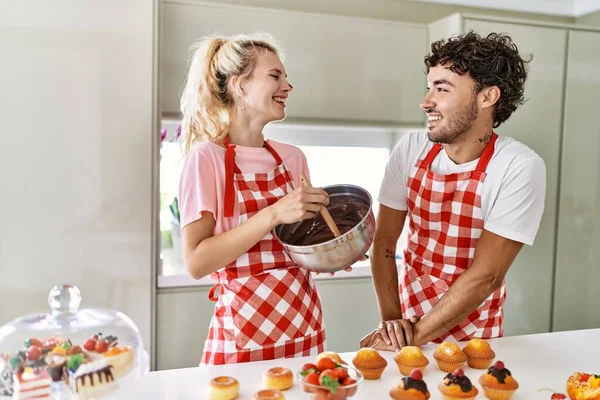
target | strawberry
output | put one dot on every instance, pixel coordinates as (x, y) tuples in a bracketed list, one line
[(90, 345), (555, 396), (312, 378), (327, 373), (33, 353), (499, 365), (585, 377), (309, 366), (101, 346), (326, 363), (341, 373), (328, 378), (458, 372), (416, 374), (348, 381)]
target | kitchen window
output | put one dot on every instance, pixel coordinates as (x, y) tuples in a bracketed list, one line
[(335, 154)]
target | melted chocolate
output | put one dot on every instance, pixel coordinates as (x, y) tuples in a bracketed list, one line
[(410, 383), (462, 381), (345, 210), (499, 374)]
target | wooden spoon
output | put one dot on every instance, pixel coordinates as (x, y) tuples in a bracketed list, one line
[(324, 212)]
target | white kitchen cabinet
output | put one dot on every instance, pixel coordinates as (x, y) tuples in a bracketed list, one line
[(342, 68), (537, 123), (550, 285), (577, 299)]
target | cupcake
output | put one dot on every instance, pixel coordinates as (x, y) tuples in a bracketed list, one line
[(410, 358), (457, 386), (412, 387), (582, 385), (370, 363), (449, 356), (480, 354), (498, 383)]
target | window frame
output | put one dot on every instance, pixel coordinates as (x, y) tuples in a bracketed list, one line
[(301, 134)]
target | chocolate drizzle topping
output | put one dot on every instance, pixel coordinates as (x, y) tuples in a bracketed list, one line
[(347, 211), (462, 381), (499, 374), (410, 383), (104, 376)]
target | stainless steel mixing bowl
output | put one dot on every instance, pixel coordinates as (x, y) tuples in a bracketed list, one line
[(338, 253)]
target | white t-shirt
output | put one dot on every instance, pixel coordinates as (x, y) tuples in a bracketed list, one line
[(513, 196)]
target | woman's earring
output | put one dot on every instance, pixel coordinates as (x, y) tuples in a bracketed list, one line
[(237, 101)]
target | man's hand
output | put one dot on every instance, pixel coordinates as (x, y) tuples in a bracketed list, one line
[(398, 333), (375, 341)]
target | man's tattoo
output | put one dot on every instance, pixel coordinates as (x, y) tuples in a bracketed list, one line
[(486, 139), (389, 254)]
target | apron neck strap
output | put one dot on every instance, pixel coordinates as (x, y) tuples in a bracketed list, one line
[(487, 154), (230, 169), (484, 159)]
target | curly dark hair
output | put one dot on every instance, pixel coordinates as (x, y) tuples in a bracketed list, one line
[(493, 60)]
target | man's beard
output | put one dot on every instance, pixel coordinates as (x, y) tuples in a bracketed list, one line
[(458, 124)]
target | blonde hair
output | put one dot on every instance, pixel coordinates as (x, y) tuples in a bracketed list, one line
[(206, 101)]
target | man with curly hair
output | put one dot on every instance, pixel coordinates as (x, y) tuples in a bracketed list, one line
[(472, 199)]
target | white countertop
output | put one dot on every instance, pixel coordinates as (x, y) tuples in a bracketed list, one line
[(536, 361)]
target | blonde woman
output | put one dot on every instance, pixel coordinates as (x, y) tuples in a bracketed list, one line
[(235, 188)]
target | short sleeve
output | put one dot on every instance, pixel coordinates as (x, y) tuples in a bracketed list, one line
[(197, 186), (393, 190), (303, 168), (517, 212)]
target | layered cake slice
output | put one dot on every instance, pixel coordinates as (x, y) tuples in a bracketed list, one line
[(32, 384), (91, 380)]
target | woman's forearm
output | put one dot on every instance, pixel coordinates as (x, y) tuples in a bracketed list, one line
[(216, 252)]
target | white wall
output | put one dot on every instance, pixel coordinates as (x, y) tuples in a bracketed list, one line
[(395, 10), (76, 154)]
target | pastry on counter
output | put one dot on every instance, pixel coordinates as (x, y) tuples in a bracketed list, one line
[(583, 386), (449, 356), (268, 394), (334, 356), (412, 387), (480, 354), (278, 378), (410, 358), (498, 383), (223, 388), (370, 363), (457, 386), (32, 383)]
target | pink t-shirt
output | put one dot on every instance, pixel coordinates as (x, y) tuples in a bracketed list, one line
[(202, 183)]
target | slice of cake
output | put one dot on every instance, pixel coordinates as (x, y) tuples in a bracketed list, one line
[(122, 359), (91, 380), (32, 384)]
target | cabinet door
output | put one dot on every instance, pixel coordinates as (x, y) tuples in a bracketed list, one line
[(341, 68), (537, 123), (577, 298)]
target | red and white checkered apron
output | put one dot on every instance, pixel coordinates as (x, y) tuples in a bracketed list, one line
[(445, 223), (267, 307)]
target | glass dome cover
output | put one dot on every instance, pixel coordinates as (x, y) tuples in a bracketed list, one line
[(70, 352)]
